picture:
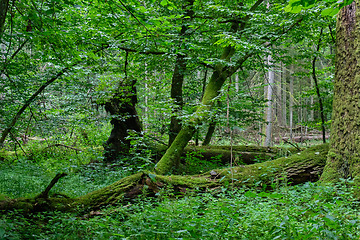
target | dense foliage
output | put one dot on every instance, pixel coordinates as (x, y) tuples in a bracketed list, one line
[(62, 63)]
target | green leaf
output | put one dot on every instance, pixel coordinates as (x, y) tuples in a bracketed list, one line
[(250, 194), (164, 2), (296, 9), (263, 194), (152, 177), (276, 195), (330, 12)]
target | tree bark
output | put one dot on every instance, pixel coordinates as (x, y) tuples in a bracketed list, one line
[(318, 90), (220, 73), (268, 125), (209, 133), (291, 102), (284, 93), (178, 79), (172, 155), (344, 154), (298, 168), (123, 107), (4, 6), (177, 95)]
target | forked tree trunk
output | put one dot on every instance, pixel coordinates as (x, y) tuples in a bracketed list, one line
[(220, 73), (298, 168), (344, 154)]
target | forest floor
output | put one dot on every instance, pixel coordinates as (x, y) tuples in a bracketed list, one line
[(279, 211)]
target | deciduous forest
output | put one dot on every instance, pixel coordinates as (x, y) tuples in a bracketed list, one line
[(184, 119)]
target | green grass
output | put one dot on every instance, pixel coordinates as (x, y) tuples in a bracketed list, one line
[(309, 211), (26, 179)]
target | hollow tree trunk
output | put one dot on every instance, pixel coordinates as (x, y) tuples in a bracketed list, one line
[(298, 168), (344, 154), (122, 106)]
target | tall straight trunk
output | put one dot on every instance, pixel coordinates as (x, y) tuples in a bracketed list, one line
[(284, 93), (312, 116), (237, 83), (177, 95), (278, 98), (344, 154), (178, 80), (291, 102), (268, 126), (146, 102)]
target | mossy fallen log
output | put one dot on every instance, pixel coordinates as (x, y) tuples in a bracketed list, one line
[(298, 168), (241, 154)]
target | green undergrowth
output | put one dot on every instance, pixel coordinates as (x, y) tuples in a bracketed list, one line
[(308, 211), (26, 179)]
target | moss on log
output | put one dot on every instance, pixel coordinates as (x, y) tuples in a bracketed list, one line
[(241, 154), (298, 168)]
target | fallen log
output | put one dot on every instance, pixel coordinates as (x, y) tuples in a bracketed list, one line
[(298, 168), (299, 139), (242, 154)]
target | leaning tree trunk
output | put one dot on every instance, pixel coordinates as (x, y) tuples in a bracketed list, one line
[(220, 73), (122, 106), (298, 168), (172, 155), (209, 133), (344, 154)]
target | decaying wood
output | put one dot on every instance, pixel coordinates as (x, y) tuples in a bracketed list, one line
[(298, 168), (299, 139), (241, 154)]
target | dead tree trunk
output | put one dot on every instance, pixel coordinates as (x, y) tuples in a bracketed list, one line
[(122, 106), (298, 168)]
